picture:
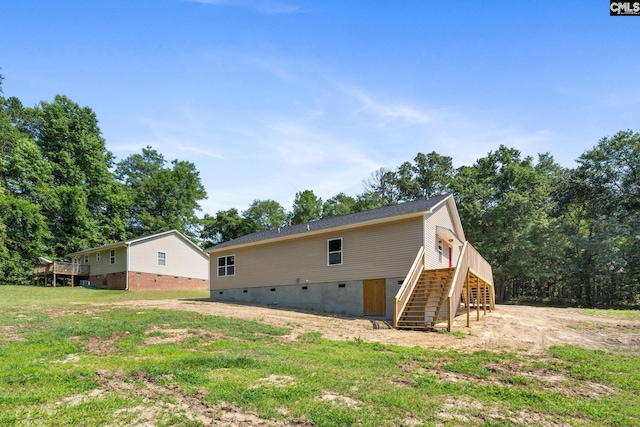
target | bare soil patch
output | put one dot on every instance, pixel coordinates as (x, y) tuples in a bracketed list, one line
[(104, 345), (161, 400), (12, 333), (467, 411), (275, 381), (339, 399), (508, 327), (156, 335)]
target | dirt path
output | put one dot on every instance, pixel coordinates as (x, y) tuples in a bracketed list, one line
[(533, 329)]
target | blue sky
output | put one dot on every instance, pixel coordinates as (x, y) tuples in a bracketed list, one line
[(272, 97)]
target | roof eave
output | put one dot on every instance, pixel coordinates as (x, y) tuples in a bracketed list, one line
[(99, 248), (321, 231)]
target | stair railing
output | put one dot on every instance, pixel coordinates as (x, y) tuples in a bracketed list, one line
[(409, 283), (470, 261)]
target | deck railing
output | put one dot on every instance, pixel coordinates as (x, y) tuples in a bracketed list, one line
[(61, 268), (470, 261), (409, 283)]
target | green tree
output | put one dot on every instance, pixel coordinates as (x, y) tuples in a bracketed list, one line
[(4, 252), (369, 200), (161, 198), (306, 207), (600, 207), (226, 225), (434, 173), (27, 174), (503, 201), (26, 237), (266, 215), (380, 186), (429, 175), (90, 201), (137, 168), (340, 204)]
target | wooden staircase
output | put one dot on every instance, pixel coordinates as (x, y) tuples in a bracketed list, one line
[(427, 299), (428, 295)]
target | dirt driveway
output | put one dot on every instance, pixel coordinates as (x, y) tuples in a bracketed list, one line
[(532, 329)]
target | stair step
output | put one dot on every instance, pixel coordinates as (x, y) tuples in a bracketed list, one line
[(426, 301)]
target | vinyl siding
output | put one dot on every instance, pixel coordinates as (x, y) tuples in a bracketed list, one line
[(370, 252), (103, 266), (440, 217), (182, 259)]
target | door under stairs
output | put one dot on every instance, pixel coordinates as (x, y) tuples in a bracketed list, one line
[(427, 301)]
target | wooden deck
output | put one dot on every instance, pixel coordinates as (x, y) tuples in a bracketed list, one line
[(48, 274)]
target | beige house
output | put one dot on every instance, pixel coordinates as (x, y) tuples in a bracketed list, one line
[(371, 263), (164, 261)]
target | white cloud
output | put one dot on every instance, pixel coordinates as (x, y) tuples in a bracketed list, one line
[(325, 138), (389, 112)]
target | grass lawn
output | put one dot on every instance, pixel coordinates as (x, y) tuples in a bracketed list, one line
[(70, 357)]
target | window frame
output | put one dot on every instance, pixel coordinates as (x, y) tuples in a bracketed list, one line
[(112, 257), (226, 267), (164, 259), (86, 259), (98, 256), (330, 252)]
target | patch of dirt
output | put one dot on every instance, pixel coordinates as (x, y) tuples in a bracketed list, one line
[(156, 335), (465, 411), (71, 358), (166, 336), (503, 374), (104, 345), (58, 313), (77, 399), (457, 377), (508, 327), (161, 401), (11, 333), (590, 390), (507, 368), (412, 367), (460, 410), (411, 421), (545, 375), (276, 381), (339, 399)]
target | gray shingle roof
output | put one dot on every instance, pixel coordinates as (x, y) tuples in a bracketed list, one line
[(135, 240), (421, 205)]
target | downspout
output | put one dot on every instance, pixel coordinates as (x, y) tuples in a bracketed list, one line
[(126, 269), (209, 272)]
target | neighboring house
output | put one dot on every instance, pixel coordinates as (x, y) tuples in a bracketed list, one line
[(164, 261), (362, 264)]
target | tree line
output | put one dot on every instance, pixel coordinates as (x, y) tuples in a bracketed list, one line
[(552, 234)]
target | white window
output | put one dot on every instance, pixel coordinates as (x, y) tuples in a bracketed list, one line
[(98, 254), (440, 250), (334, 251), (227, 265), (162, 259), (86, 259), (112, 256)]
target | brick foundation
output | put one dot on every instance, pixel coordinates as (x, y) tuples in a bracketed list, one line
[(109, 281), (148, 281)]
